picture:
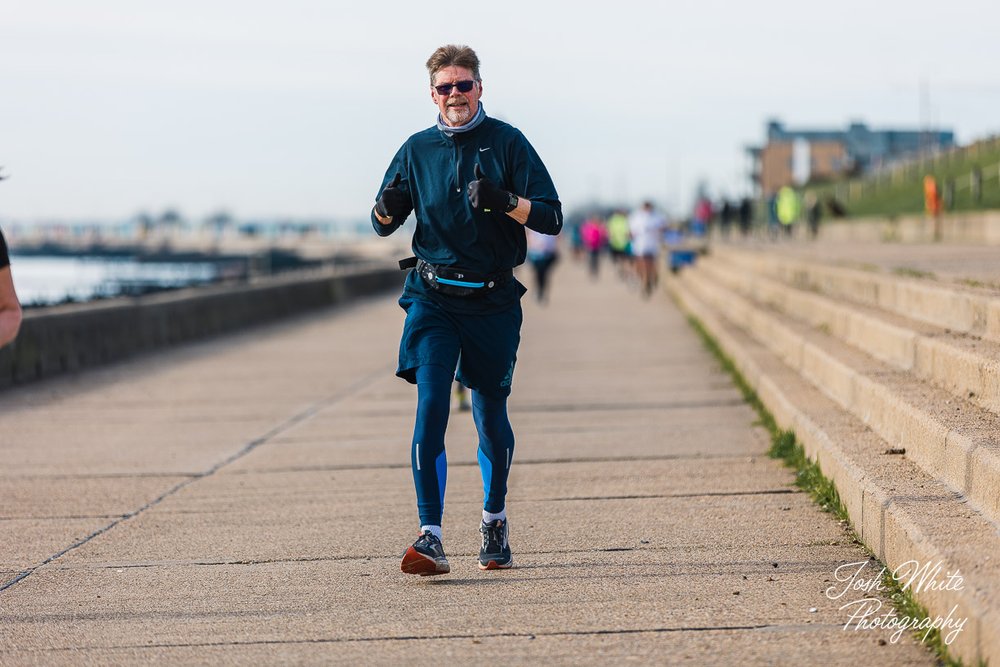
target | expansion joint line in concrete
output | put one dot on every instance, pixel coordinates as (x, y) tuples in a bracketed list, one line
[(634, 406), (404, 638), (709, 494), (294, 420), (475, 464)]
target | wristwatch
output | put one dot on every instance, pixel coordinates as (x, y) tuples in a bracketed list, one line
[(511, 202)]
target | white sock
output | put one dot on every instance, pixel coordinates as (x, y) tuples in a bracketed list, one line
[(435, 530), (489, 517)]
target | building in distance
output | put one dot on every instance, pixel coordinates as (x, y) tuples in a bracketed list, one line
[(797, 156)]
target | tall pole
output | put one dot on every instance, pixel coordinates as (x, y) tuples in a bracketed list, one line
[(925, 104)]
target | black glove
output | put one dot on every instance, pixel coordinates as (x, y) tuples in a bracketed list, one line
[(393, 201), (485, 195)]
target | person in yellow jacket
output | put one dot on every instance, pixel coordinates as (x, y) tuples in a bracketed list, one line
[(788, 207), (619, 241)]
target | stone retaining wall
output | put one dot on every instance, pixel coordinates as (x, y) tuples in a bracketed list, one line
[(972, 227), (62, 339)]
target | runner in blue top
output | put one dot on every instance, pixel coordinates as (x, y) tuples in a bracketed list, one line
[(474, 184)]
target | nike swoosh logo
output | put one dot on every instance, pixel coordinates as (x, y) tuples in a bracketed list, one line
[(484, 149)]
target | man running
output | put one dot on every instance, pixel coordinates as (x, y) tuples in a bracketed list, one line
[(647, 227), (474, 183)]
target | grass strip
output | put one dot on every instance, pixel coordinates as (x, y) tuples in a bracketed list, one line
[(810, 478)]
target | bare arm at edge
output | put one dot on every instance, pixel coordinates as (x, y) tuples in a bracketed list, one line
[(10, 308)]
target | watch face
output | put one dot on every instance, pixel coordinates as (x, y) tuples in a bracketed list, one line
[(512, 202)]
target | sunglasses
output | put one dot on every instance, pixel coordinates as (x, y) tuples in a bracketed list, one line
[(463, 87)]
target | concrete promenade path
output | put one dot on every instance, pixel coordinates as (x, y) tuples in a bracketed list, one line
[(246, 501)]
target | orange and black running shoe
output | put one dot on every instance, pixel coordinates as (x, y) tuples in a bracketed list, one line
[(426, 557)]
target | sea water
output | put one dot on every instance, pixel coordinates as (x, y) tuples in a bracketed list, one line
[(41, 280)]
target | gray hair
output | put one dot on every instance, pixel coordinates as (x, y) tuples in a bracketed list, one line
[(453, 55)]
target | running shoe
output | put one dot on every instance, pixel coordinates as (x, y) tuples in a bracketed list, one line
[(495, 552), (426, 557)]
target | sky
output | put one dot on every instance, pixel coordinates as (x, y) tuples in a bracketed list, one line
[(293, 109)]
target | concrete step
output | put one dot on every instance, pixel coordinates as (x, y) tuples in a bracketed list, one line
[(950, 439), (952, 307), (903, 514), (962, 364)]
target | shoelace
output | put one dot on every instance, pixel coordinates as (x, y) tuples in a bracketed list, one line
[(429, 540), (492, 536)]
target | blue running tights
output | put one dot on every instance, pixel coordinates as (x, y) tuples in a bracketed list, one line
[(427, 454)]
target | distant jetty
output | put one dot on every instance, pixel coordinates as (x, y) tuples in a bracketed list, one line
[(268, 252), (92, 266)]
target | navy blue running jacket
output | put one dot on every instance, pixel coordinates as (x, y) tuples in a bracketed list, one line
[(436, 170)]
